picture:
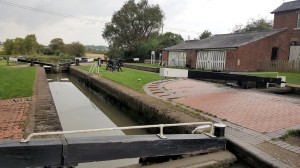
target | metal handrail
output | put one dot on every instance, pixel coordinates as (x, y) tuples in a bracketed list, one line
[(161, 126), (92, 68)]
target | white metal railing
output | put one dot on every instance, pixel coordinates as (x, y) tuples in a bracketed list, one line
[(161, 126), (92, 68)]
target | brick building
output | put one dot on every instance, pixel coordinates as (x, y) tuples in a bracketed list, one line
[(242, 51)]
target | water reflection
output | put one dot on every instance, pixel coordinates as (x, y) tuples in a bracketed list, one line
[(80, 108)]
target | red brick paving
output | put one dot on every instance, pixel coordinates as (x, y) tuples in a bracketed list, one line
[(261, 112), (13, 114)]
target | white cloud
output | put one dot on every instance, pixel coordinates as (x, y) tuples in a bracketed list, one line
[(71, 30), (11, 30)]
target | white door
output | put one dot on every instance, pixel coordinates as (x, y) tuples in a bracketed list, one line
[(177, 59), (211, 60), (294, 53)]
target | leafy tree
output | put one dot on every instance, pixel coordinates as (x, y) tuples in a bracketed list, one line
[(31, 45), (205, 34), (19, 46), (132, 26), (169, 39), (254, 25), (157, 43), (75, 49), (8, 46), (57, 45)]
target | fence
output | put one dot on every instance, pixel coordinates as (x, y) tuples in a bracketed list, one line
[(279, 65)]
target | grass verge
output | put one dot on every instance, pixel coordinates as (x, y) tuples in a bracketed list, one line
[(16, 82), (293, 78), (291, 133), (131, 78), (3, 63)]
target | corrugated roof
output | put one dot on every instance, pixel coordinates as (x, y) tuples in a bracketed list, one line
[(288, 6), (224, 40)]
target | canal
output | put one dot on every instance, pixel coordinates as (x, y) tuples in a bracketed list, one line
[(79, 107)]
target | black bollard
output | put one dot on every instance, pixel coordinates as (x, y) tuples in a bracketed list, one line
[(219, 130), (32, 62), (77, 62)]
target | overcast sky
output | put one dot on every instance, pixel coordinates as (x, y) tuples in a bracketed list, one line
[(184, 17)]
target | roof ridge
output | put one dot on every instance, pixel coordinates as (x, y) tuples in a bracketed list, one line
[(285, 6), (256, 31)]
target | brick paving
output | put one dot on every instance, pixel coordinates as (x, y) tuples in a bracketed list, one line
[(43, 115), (261, 112), (252, 117), (14, 113)]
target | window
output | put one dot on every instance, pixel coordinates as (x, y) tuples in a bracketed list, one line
[(274, 53), (298, 21)]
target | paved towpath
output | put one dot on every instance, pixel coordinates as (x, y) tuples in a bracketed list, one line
[(252, 117), (13, 114)]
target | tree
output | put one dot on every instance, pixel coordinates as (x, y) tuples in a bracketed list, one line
[(8, 46), (157, 42), (132, 26), (254, 25), (169, 39), (19, 46), (205, 34), (31, 45), (57, 45), (75, 49)]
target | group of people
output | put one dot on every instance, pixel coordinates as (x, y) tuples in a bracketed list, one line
[(112, 64)]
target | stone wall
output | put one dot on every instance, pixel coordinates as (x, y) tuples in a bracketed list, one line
[(43, 108)]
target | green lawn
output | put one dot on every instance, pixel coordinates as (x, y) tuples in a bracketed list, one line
[(293, 78), (131, 78), (3, 63), (16, 82)]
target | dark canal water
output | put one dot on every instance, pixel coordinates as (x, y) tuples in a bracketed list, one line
[(81, 108)]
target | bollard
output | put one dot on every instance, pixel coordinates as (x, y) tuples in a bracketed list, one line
[(219, 130), (32, 62)]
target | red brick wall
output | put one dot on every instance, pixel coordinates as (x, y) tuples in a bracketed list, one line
[(165, 56), (249, 54), (285, 20), (231, 59), (191, 58), (288, 20)]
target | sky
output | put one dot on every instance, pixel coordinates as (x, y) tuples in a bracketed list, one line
[(189, 18)]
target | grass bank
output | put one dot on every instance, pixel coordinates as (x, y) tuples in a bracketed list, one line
[(16, 82), (293, 78), (131, 78), (3, 63)]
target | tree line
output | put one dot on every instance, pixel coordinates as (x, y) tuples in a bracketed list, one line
[(30, 46)]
